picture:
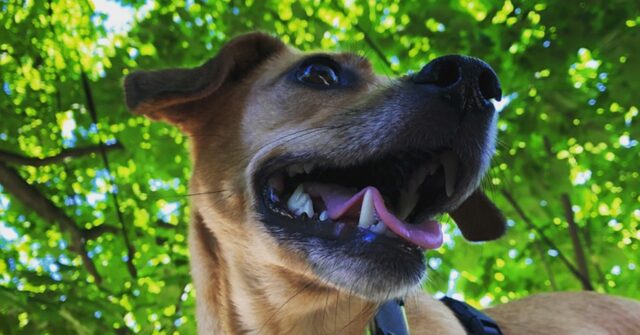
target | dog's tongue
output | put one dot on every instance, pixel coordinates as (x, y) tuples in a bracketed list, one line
[(343, 203)]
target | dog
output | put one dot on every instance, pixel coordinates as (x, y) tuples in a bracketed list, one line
[(316, 183)]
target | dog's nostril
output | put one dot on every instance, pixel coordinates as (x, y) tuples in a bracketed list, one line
[(442, 73), (489, 85), (460, 78)]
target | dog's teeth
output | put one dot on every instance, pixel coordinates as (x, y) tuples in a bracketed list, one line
[(409, 196), (432, 168), (417, 178), (296, 194), (323, 216), (367, 211), (300, 202), (407, 203), (308, 167), (420, 175), (450, 165), (378, 228), (308, 207), (295, 169)]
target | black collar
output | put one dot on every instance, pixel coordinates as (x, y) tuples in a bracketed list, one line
[(474, 321), (391, 319)]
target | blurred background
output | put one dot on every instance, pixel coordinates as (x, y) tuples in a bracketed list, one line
[(94, 201)]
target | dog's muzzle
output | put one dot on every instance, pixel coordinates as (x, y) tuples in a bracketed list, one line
[(367, 198)]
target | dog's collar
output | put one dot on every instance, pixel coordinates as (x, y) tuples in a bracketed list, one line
[(474, 321), (391, 319)]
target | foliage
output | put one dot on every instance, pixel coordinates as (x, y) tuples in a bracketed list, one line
[(568, 132)]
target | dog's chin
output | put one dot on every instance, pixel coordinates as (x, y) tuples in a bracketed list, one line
[(362, 227)]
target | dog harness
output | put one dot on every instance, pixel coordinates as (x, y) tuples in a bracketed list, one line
[(391, 319)]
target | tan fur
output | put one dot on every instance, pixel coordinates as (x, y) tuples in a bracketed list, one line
[(566, 313), (248, 284)]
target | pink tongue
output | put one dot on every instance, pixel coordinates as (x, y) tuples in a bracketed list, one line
[(341, 202)]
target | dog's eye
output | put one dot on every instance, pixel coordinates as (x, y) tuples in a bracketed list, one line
[(319, 74)]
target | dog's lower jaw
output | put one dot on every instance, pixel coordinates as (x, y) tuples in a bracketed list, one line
[(236, 300)]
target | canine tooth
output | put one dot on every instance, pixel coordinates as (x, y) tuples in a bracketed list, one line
[(418, 178), (300, 202), (422, 173), (432, 168), (307, 167), (367, 211), (323, 216), (409, 197), (294, 169), (450, 165), (378, 228), (407, 203), (296, 194), (308, 207)]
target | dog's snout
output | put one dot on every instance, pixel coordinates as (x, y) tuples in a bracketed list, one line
[(464, 75)]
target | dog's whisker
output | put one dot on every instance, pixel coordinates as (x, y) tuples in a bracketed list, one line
[(291, 137), (194, 194), (304, 272), (282, 140), (292, 297), (335, 310)]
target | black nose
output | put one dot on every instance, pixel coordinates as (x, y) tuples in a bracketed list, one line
[(467, 76)]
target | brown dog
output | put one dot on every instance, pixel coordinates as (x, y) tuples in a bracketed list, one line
[(317, 182)]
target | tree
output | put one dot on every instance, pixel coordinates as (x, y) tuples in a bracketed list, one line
[(93, 201)]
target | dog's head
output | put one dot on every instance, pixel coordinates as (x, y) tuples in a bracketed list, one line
[(313, 163)]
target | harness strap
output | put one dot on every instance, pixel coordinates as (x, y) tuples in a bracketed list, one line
[(391, 319), (474, 321)]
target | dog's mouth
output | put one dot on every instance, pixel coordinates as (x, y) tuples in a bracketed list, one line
[(393, 198)]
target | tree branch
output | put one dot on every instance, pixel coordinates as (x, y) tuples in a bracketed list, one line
[(545, 239), (547, 266), (88, 93), (95, 232), (32, 198), (573, 230), (575, 239), (178, 308), (367, 39), (588, 242), (13, 158)]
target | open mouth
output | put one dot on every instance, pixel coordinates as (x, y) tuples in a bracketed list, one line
[(394, 198)]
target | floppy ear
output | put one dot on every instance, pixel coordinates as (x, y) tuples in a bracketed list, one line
[(167, 94), (478, 218)]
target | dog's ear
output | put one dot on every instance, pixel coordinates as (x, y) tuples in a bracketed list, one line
[(167, 94), (478, 218)]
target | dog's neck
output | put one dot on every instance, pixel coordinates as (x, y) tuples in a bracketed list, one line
[(236, 296)]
